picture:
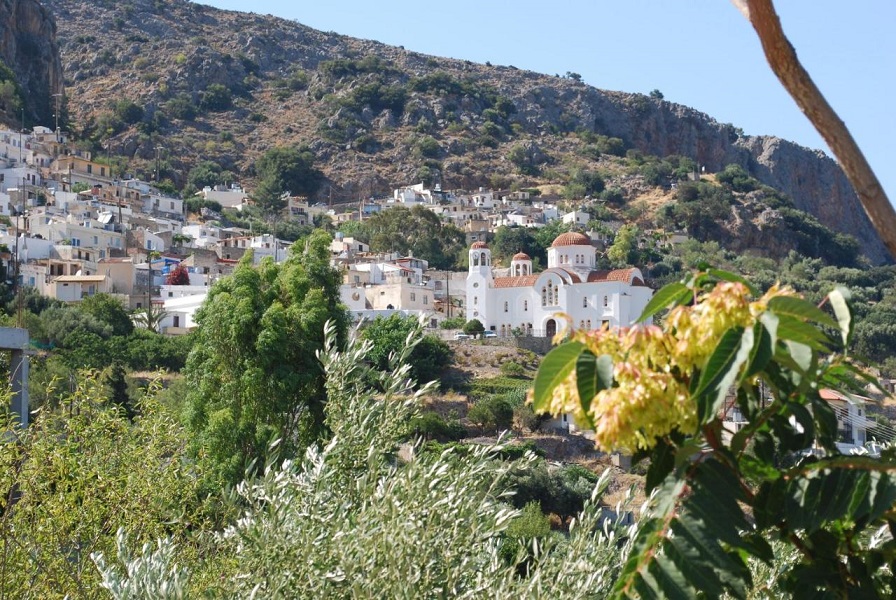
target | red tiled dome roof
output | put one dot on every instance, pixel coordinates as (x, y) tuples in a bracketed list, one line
[(479, 245), (521, 256), (571, 238)]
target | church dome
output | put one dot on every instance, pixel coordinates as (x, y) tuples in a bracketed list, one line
[(571, 238), (479, 245), (521, 256)]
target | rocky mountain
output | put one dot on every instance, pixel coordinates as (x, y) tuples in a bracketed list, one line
[(207, 84), (28, 48)]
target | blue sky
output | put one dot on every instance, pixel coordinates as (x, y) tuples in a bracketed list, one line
[(701, 53)]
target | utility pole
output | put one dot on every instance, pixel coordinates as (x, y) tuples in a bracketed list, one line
[(20, 137), (57, 96), (158, 163)]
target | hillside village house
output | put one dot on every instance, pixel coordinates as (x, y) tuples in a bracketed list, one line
[(528, 303)]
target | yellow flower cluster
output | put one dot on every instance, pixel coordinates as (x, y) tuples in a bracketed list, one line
[(653, 368)]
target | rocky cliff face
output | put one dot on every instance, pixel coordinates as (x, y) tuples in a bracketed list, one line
[(153, 51), (813, 180), (28, 47)]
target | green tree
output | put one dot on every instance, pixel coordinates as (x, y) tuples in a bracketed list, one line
[(127, 111), (281, 170), (510, 240), (253, 371), (205, 173), (624, 250), (64, 324), (473, 327), (81, 474), (417, 231), (109, 310), (389, 335)]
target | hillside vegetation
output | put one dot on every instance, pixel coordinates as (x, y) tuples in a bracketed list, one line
[(225, 87)]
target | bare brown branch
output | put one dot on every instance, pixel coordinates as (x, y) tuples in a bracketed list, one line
[(785, 64)]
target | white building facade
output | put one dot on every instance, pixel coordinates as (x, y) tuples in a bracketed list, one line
[(533, 304)]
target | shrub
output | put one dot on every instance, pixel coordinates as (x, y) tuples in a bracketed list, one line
[(492, 413), (737, 178), (512, 369), (453, 323), (431, 426), (181, 107), (216, 98)]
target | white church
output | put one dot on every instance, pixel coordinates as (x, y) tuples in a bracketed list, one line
[(529, 302)]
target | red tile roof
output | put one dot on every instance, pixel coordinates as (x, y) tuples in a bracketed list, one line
[(625, 275), (507, 282), (479, 245), (571, 238)]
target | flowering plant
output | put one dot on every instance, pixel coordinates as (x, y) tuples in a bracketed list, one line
[(724, 495)]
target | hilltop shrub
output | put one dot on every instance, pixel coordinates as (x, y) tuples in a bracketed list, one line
[(216, 98)]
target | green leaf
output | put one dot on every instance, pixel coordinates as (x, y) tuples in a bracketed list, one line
[(593, 374), (721, 371), (800, 309), (734, 278), (672, 294), (763, 349), (801, 354), (662, 461), (790, 328), (555, 367), (770, 321), (839, 302)]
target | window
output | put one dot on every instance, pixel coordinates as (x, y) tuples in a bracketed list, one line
[(357, 279), (425, 299), (413, 297), (525, 305), (606, 301), (506, 307), (177, 320), (475, 300), (584, 302)]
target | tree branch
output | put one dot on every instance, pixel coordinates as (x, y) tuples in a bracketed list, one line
[(785, 64)]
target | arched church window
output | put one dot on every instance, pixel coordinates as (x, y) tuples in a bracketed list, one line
[(525, 305), (506, 306), (484, 263), (544, 296), (585, 302)]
